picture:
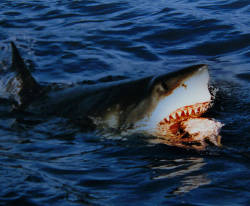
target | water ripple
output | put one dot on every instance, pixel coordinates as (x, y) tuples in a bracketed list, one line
[(52, 162)]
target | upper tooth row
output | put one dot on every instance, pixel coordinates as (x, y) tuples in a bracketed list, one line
[(188, 110)]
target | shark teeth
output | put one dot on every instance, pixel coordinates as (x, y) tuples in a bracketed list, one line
[(189, 111), (174, 115), (166, 119), (199, 109), (179, 113), (186, 112)]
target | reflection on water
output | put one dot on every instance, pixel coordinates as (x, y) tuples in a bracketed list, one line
[(190, 183), (186, 169)]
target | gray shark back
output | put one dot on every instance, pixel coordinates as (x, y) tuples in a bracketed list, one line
[(96, 102)]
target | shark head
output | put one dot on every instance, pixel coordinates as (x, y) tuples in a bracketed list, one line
[(182, 93), (178, 100), (175, 98)]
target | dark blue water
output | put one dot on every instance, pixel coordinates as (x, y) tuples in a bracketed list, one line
[(52, 162)]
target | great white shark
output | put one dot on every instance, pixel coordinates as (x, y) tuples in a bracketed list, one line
[(159, 105)]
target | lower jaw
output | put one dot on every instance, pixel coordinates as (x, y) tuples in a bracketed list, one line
[(180, 133), (189, 137)]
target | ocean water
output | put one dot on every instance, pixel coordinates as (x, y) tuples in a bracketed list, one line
[(52, 162)]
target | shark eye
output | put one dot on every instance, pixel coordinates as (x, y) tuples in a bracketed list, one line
[(164, 85)]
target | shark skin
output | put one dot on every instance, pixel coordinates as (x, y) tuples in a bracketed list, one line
[(154, 105)]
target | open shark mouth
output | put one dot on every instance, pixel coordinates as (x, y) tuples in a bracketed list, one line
[(186, 128), (186, 112)]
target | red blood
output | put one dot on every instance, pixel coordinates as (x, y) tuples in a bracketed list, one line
[(183, 114), (171, 118), (193, 112), (174, 128)]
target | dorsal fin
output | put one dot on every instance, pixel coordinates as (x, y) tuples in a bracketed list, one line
[(28, 88), (20, 68)]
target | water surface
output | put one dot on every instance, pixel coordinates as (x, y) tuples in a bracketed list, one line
[(52, 162)]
